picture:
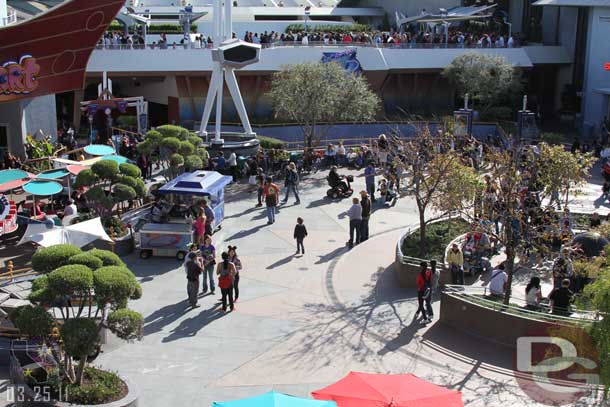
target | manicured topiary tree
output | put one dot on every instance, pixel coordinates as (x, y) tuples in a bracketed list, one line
[(91, 292), (174, 145), (47, 259)]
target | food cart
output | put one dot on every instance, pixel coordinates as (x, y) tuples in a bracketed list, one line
[(173, 237), (165, 239)]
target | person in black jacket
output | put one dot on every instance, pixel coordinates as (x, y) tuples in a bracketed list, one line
[(300, 231), (365, 202)]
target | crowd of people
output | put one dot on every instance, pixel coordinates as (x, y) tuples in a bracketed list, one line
[(414, 38)]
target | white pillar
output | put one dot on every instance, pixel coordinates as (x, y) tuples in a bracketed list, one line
[(3, 13), (217, 22), (238, 100), (218, 126), (228, 24)]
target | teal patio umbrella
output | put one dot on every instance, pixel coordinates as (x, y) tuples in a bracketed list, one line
[(119, 159), (274, 399), (99, 150)]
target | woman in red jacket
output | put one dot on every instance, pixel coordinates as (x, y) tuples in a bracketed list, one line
[(424, 292)]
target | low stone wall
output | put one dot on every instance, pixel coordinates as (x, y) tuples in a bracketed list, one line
[(497, 326)]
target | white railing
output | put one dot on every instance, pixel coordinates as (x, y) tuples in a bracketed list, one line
[(11, 18)]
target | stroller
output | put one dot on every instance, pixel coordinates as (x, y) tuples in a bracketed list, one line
[(340, 189)]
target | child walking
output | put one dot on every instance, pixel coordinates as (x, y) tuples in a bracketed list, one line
[(300, 231)]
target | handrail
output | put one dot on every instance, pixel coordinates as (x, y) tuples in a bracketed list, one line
[(296, 44), (469, 293)]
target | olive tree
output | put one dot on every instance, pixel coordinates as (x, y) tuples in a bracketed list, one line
[(491, 81), (314, 95), (91, 291), (439, 180)]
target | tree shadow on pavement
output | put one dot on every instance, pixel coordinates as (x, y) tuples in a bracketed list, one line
[(162, 317), (405, 336), (332, 255), (147, 270), (456, 344), (242, 213), (281, 262), (319, 202), (243, 233), (190, 326)]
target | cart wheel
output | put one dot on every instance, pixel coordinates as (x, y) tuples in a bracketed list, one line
[(335, 195), (145, 254), (180, 256)]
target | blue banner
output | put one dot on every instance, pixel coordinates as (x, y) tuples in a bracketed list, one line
[(347, 59)]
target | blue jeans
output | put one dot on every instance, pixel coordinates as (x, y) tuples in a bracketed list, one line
[(354, 228), (294, 189), (300, 246), (208, 275), (271, 213), (364, 229)]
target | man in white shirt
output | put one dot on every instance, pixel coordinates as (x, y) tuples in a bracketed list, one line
[(511, 42), (500, 43), (232, 163), (498, 281), (305, 40)]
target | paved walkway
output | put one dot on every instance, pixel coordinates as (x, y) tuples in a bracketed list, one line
[(301, 322)]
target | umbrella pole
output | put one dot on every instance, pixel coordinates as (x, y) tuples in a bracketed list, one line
[(34, 206)]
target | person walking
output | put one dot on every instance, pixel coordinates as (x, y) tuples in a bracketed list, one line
[(260, 185), (233, 168), (424, 292), (199, 227), (233, 258), (300, 231), (208, 254), (226, 276), (209, 217), (291, 184), (369, 177), (355, 219), (271, 193), (455, 259), (193, 268), (365, 203)]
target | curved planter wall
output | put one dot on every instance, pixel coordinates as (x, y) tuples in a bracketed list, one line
[(497, 326), (407, 267), (18, 380)]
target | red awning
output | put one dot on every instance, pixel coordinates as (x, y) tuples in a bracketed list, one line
[(379, 390)]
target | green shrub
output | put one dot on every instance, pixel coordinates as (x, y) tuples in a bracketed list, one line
[(128, 180), (343, 28), (105, 169), (553, 138), (186, 148), (140, 188), (130, 170), (113, 284), (86, 259), (170, 131), (171, 143), (69, 280), (85, 178), (115, 227), (80, 336), (270, 142), (126, 324), (101, 387), (122, 192), (176, 160), (153, 136), (146, 147), (40, 291), (48, 259), (192, 163), (194, 139), (33, 321), (107, 257)]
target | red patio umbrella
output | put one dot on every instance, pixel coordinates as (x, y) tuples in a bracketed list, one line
[(380, 390)]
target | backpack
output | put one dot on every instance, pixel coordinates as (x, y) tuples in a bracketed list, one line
[(225, 280)]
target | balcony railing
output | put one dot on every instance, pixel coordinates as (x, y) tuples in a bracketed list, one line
[(285, 44), (11, 18)]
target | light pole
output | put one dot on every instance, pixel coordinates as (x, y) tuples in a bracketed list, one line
[(307, 12)]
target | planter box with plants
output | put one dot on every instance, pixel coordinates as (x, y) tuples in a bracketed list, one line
[(90, 290)]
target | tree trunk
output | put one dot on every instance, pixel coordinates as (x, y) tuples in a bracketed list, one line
[(422, 232), (510, 267), (80, 371)]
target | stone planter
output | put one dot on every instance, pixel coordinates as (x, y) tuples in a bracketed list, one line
[(25, 396), (407, 267)]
